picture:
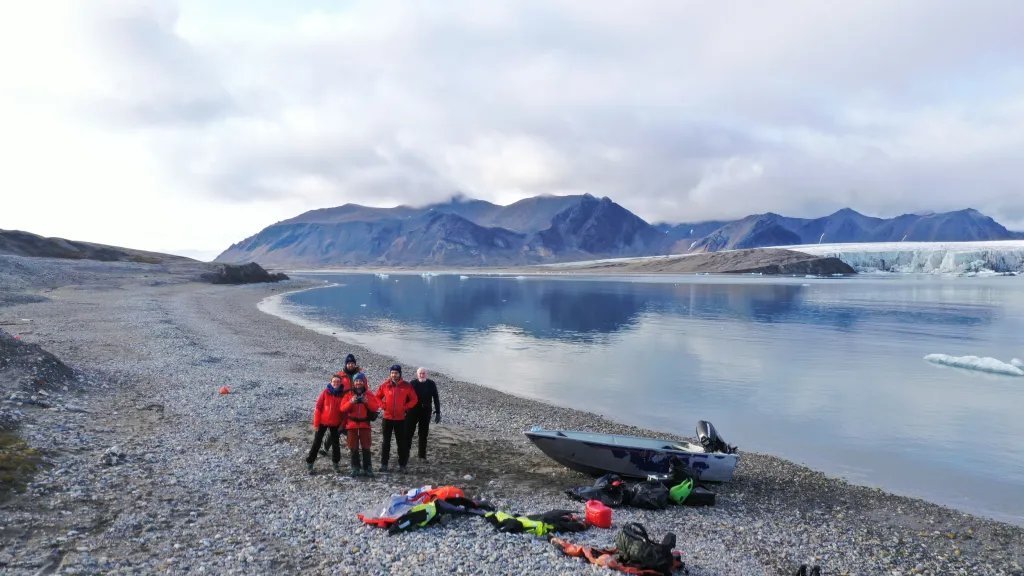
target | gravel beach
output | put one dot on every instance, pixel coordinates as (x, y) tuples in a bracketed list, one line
[(144, 467)]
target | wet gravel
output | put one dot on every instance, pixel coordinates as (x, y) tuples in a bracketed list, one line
[(148, 469)]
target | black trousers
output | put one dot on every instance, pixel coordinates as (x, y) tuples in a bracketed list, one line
[(396, 427), (318, 439), (418, 417)]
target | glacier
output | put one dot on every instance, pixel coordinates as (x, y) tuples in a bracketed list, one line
[(990, 365), (967, 258)]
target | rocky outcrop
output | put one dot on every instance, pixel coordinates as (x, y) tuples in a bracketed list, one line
[(249, 273), (29, 376)]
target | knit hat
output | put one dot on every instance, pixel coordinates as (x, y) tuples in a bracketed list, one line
[(396, 368), (350, 358), (359, 376)]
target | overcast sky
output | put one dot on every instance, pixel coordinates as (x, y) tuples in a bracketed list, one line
[(190, 125)]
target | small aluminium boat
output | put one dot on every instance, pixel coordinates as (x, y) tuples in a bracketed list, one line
[(635, 456)]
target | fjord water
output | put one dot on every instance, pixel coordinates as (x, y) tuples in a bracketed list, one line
[(825, 372)]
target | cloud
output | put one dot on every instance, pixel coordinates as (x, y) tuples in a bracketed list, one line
[(679, 110)]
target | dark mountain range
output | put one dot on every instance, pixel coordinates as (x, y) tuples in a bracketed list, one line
[(467, 232), (849, 226), (597, 227), (18, 243), (458, 233)]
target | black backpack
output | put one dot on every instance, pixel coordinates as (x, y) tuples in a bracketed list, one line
[(635, 548), (651, 495)]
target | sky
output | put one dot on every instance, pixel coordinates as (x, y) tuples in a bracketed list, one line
[(185, 126)]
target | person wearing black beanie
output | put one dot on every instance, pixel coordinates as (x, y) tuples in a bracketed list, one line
[(396, 397)]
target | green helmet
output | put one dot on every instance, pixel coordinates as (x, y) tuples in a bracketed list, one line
[(678, 493)]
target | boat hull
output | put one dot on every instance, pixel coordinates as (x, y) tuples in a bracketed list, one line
[(596, 455)]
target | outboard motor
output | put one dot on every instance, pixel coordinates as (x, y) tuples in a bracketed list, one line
[(710, 440)]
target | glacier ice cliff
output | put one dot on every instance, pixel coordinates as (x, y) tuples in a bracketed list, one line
[(926, 257)]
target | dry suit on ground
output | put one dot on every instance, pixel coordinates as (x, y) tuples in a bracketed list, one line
[(437, 511), (634, 553), (537, 524), (398, 505)]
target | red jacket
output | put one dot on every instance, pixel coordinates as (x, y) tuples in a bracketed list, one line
[(396, 399), (359, 411), (328, 408)]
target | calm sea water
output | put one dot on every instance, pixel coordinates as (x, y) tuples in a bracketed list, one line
[(828, 373)]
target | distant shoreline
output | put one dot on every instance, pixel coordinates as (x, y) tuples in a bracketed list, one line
[(763, 261)]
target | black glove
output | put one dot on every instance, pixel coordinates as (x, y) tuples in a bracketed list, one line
[(437, 417), (359, 399)]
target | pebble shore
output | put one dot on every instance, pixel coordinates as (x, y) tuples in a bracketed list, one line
[(145, 468)]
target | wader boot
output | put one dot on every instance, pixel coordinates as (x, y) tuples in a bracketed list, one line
[(309, 467), (356, 469), (367, 466), (337, 467)]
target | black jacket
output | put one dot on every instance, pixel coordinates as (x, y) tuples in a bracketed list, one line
[(425, 393)]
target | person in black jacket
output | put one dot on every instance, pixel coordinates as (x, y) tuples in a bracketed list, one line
[(419, 416)]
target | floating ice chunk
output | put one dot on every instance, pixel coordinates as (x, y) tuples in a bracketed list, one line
[(381, 275), (520, 277), (363, 305), (986, 364), (463, 277)]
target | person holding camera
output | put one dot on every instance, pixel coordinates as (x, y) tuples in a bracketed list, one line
[(361, 408)]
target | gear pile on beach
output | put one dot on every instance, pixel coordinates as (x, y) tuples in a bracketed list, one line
[(634, 552), (680, 486)]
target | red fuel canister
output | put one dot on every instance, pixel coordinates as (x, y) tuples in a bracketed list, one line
[(598, 514)]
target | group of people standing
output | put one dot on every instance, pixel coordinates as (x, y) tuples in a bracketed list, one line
[(347, 406)]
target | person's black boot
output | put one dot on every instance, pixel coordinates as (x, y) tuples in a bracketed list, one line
[(356, 468), (367, 466)]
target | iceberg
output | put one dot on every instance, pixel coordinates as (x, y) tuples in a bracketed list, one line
[(381, 275), (990, 365), (463, 277), (966, 258)]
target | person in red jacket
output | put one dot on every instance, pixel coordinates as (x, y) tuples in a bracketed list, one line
[(346, 383), (358, 406), (396, 397), (327, 417)]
